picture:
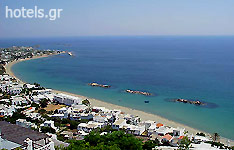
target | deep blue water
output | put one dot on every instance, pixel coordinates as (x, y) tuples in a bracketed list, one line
[(170, 67)]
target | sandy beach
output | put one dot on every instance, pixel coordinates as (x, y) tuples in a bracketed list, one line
[(10, 64), (143, 115)]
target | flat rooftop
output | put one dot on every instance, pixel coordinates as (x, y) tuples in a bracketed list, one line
[(18, 134)]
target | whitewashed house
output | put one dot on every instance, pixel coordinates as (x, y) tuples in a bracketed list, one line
[(17, 100), (33, 115), (86, 116), (163, 130), (42, 92), (88, 127), (6, 110), (136, 130), (100, 118), (178, 132), (49, 123), (119, 124), (67, 99), (24, 123)]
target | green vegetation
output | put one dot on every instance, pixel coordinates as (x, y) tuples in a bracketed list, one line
[(60, 147), (37, 84), (117, 140), (44, 102), (2, 69), (107, 128), (148, 145), (61, 137), (185, 143), (72, 124), (47, 130), (16, 115), (86, 102), (201, 134), (215, 137), (42, 111), (35, 105)]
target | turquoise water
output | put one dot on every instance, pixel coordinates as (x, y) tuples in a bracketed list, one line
[(170, 67)]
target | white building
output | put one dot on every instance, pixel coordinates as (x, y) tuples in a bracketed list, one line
[(88, 127), (17, 100), (178, 132), (100, 118), (163, 130), (24, 123), (37, 98), (86, 116), (6, 110), (119, 124), (198, 139), (48, 124), (136, 130), (42, 92), (67, 99), (33, 115)]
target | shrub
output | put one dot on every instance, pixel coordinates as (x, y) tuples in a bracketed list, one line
[(47, 130), (201, 134)]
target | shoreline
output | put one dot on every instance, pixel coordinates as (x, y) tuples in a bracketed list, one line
[(9, 65), (95, 102)]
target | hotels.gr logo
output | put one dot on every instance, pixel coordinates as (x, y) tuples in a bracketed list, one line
[(51, 14)]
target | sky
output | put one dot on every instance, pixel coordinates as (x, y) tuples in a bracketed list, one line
[(120, 18)]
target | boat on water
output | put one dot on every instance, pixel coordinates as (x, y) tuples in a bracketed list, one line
[(70, 53), (146, 101), (99, 85)]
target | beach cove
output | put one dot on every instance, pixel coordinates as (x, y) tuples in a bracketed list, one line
[(95, 102)]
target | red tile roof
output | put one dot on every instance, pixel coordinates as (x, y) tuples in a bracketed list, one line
[(167, 136)]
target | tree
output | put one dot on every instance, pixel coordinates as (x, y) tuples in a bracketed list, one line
[(201, 134), (16, 115), (56, 111), (185, 143), (2, 69), (42, 111), (148, 145), (35, 105), (44, 102), (86, 102), (60, 147), (47, 129), (215, 137), (73, 124), (37, 84), (116, 140)]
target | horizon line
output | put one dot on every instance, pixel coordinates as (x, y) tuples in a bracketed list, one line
[(2, 38)]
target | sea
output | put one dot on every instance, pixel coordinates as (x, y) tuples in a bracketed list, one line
[(171, 67)]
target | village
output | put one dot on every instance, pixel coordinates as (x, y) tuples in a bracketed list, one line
[(23, 52), (57, 117)]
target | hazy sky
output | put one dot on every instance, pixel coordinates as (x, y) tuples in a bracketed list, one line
[(122, 17)]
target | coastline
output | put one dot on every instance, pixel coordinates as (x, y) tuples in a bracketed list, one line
[(95, 102), (9, 65)]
